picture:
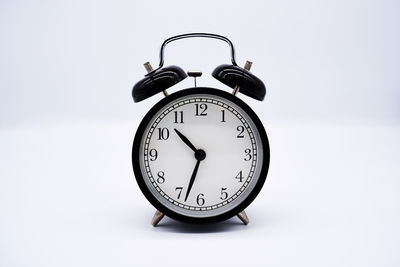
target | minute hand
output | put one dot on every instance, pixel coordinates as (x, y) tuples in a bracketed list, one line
[(192, 179), (185, 140)]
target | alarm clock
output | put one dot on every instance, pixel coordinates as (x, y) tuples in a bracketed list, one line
[(200, 155)]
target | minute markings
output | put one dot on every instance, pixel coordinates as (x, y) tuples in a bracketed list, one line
[(216, 103)]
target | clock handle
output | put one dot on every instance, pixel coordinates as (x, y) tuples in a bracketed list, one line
[(160, 79), (192, 35)]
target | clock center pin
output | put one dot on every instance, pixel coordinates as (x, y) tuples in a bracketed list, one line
[(200, 154)]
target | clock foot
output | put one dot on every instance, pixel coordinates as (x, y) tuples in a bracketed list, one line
[(243, 217), (157, 218)]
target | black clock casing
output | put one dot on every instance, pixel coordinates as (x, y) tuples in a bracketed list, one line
[(136, 157)]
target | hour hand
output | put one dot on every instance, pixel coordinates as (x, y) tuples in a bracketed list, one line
[(185, 140)]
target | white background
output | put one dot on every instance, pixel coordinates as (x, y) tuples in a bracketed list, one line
[(67, 192)]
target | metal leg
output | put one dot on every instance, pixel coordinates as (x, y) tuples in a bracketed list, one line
[(243, 217), (159, 215), (157, 218)]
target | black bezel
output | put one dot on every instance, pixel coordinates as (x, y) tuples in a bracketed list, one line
[(138, 173)]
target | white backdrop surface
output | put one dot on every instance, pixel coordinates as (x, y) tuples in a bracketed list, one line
[(68, 196)]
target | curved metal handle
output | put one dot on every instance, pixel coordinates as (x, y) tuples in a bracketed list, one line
[(191, 35)]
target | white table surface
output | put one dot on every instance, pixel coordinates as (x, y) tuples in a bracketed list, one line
[(68, 197)]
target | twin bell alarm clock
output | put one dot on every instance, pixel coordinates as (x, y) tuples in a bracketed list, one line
[(201, 154)]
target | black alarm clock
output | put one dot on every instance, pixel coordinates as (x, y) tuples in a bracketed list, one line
[(200, 155)]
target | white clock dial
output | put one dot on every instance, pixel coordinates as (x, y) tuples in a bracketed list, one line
[(227, 164)]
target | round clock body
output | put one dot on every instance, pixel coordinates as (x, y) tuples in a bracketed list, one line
[(200, 155)]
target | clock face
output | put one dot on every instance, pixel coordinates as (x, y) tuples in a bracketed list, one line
[(200, 154)]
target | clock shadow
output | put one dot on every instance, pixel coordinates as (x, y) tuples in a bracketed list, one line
[(173, 226)]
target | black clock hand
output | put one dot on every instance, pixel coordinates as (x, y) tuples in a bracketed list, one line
[(185, 140), (200, 154), (192, 179)]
